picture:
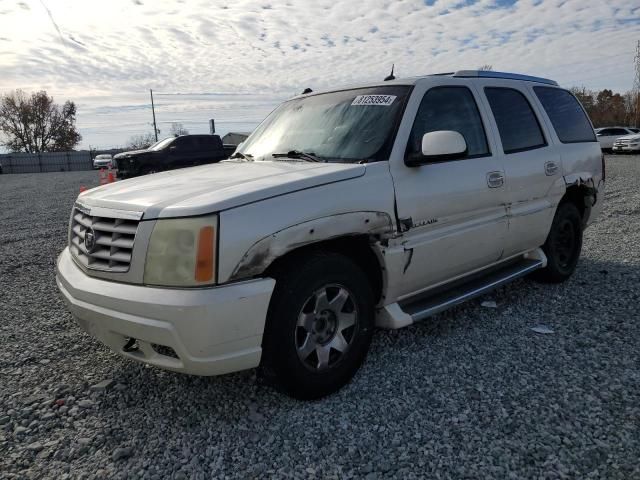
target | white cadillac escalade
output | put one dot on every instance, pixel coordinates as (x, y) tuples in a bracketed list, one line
[(373, 205)]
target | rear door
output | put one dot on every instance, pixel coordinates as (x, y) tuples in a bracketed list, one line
[(453, 212), (531, 162)]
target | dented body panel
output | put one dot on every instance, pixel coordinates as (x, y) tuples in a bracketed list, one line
[(252, 236)]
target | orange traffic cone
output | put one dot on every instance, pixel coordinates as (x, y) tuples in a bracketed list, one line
[(83, 188), (111, 177), (103, 176)]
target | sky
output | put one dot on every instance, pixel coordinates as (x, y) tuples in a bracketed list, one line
[(236, 60)]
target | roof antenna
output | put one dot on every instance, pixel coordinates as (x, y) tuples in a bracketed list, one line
[(306, 90), (390, 77)]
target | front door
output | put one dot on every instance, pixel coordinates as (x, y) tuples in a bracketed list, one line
[(453, 212)]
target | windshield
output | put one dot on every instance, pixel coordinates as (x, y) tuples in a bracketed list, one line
[(350, 125), (161, 144)]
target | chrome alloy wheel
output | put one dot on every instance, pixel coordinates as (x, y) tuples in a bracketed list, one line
[(326, 327)]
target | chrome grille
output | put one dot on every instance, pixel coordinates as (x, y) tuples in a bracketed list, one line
[(622, 142), (113, 240)]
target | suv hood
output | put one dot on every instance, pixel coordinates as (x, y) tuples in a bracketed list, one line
[(132, 152), (216, 187)]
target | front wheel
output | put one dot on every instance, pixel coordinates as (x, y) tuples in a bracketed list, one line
[(563, 245), (319, 325)]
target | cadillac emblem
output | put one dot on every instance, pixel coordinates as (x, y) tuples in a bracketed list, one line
[(90, 240)]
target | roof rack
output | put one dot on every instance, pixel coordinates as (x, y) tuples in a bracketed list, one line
[(505, 75)]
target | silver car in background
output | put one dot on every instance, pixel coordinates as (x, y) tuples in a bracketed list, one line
[(104, 160)]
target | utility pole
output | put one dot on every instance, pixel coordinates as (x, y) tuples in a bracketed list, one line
[(153, 110), (635, 93)]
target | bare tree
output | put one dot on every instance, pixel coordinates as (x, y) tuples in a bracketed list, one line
[(178, 129), (34, 123), (486, 66), (141, 142)]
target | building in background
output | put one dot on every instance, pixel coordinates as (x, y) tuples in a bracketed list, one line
[(235, 138)]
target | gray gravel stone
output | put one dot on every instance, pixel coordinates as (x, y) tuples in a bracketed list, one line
[(103, 385), (86, 404), (35, 446), (471, 393), (120, 453)]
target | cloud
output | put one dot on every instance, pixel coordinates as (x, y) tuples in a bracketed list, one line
[(278, 48)]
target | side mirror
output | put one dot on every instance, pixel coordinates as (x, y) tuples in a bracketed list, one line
[(439, 146)]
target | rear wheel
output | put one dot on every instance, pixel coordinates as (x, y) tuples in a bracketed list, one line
[(563, 245), (319, 325)]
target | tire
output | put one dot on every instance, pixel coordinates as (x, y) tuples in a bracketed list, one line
[(319, 325), (563, 245)]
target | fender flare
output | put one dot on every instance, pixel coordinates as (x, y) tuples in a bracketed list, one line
[(377, 225)]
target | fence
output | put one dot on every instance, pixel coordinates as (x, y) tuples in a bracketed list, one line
[(48, 162)]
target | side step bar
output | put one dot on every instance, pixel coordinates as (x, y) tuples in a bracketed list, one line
[(419, 308)]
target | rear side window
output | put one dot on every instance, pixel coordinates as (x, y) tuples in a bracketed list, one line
[(449, 108), (617, 131), (568, 119), (517, 123)]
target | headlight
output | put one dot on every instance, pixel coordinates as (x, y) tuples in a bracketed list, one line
[(182, 252)]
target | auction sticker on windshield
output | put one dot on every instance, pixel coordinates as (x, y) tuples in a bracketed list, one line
[(383, 100)]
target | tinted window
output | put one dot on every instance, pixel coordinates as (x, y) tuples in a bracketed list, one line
[(635, 130), (449, 108), (208, 142), (604, 132), (184, 143), (518, 126), (568, 119), (618, 131)]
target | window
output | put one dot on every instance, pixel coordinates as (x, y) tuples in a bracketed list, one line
[(618, 131), (208, 142), (184, 144), (568, 119), (635, 130), (449, 108), (518, 126), (343, 126)]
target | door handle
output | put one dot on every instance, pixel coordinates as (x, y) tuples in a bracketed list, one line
[(550, 168), (495, 179)]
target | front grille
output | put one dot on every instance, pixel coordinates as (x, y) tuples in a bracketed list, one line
[(622, 142), (112, 241)]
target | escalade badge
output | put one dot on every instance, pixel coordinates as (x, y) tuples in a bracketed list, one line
[(90, 240)]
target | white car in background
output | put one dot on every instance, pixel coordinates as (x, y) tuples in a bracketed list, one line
[(627, 144), (102, 161), (608, 135)]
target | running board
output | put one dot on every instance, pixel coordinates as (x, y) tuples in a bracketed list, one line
[(426, 306)]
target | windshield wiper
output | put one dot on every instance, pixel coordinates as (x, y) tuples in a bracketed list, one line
[(244, 156), (298, 154)]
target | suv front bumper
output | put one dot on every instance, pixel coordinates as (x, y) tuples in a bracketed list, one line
[(211, 330)]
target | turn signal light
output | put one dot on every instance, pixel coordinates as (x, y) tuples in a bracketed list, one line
[(204, 258)]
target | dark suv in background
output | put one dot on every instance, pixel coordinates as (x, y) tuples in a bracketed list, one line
[(171, 153)]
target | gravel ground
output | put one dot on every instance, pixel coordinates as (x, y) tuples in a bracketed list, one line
[(471, 393)]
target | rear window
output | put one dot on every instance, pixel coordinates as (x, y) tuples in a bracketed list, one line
[(567, 116), (517, 123)]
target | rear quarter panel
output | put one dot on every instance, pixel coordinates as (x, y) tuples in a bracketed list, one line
[(581, 162)]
